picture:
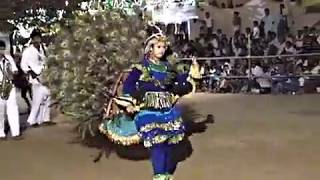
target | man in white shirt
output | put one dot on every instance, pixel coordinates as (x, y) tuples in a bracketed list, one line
[(316, 69), (269, 21), (256, 31), (32, 63), (262, 80), (236, 21), (8, 101), (288, 48), (209, 22)]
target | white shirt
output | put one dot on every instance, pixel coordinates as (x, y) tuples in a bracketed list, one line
[(194, 30), (208, 22), (8, 62), (202, 42), (299, 41), (268, 26), (215, 43), (32, 59), (290, 50), (316, 70), (263, 82), (256, 32), (202, 70)]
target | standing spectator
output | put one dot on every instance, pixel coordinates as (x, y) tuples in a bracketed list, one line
[(8, 100), (268, 21), (32, 63), (256, 32), (219, 34), (194, 28), (248, 33), (282, 27), (209, 22), (236, 21), (299, 40), (225, 47), (216, 46), (194, 74), (202, 30), (261, 29)]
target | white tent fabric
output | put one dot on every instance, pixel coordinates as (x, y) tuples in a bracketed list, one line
[(172, 11)]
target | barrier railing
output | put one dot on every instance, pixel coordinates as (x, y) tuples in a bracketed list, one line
[(289, 61)]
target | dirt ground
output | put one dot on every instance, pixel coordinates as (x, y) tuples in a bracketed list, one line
[(253, 138)]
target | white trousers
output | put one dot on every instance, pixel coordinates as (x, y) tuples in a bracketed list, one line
[(10, 108), (40, 111)]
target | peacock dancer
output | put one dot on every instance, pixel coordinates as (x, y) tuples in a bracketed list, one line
[(147, 112)]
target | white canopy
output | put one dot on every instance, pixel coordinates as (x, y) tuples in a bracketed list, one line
[(172, 11)]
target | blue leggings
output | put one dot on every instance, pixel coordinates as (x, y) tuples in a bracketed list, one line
[(162, 159)]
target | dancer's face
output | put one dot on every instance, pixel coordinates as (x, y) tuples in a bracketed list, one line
[(158, 50)]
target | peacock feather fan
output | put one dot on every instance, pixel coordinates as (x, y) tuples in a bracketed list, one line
[(85, 60)]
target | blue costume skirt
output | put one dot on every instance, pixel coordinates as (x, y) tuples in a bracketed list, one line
[(157, 127), (121, 129), (150, 126)]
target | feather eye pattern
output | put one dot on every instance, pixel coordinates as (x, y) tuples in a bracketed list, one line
[(86, 56)]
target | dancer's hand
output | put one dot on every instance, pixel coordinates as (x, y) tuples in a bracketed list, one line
[(130, 109)]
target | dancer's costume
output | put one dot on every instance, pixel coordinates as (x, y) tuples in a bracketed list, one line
[(157, 121)]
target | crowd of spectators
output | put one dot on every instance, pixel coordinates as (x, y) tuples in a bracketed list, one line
[(266, 37)]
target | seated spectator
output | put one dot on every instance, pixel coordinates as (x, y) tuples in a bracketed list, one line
[(299, 40), (263, 82), (289, 48), (316, 69)]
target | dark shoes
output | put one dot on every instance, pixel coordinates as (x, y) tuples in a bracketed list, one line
[(17, 138), (34, 125), (49, 123)]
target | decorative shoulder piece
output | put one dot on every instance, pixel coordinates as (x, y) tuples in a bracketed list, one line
[(125, 101), (137, 66)]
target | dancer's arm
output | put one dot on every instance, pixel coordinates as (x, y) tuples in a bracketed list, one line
[(130, 89)]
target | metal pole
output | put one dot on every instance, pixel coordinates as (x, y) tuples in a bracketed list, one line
[(253, 57), (189, 29), (249, 55)]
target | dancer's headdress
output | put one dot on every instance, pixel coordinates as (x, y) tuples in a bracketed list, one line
[(155, 38)]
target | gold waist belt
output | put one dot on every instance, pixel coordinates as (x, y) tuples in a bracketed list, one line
[(158, 100)]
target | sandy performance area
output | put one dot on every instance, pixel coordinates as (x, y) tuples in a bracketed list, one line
[(253, 138)]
